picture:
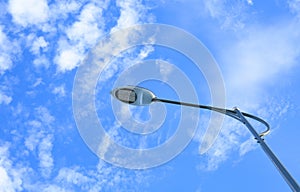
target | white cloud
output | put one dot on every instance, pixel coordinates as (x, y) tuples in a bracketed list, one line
[(10, 176), (82, 35), (28, 12), (87, 29), (164, 69), (62, 8), (7, 49), (260, 55), (37, 82), (275, 108), (6, 183), (131, 13), (227, 141), (43, 114), (59, 90), (294, 6), (41, 61), (102, 177), (73, 176), (38, 45), (108, 178), (125, 60), (5, 62), (247, 146), (231, 14), (4, 99), (214, 8), (45, 155), (32, 141), (250, 2), (40, 139), (85, 32), (68, 59), (42, 133), (51, 188), (111, 48)]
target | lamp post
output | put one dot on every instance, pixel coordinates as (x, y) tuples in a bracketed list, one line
[(139, 96)]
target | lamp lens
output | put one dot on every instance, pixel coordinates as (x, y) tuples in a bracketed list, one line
[(126, 95)]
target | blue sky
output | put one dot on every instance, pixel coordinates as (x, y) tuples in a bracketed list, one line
[(256, 45)]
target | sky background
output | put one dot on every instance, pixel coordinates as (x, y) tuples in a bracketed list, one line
[(255, 43)]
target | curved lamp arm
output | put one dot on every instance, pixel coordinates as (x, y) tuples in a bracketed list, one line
[(228, 112)]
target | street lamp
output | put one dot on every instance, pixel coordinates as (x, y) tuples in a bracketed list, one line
[(139, 96)]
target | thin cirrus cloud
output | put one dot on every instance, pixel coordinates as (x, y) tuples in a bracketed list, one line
[(230, 15), (262, 53)]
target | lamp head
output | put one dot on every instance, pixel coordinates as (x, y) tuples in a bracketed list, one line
[(133, 95)]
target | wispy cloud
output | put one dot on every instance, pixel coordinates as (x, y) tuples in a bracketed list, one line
[(261, 54), (73, 39), (38, 44), (6, 95), (84, 33), (40, 140), (227, 141), (64, 9), (294, 6), (73, 176), (4, 99), (18, 172), (45, 155), (11, 175), (131, 13), (16, 176), (6, 182), (247, 146), (59, 90), (230, 14), (250, 2), (8, 48)]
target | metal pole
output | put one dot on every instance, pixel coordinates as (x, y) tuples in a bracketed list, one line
[(283, 171)]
